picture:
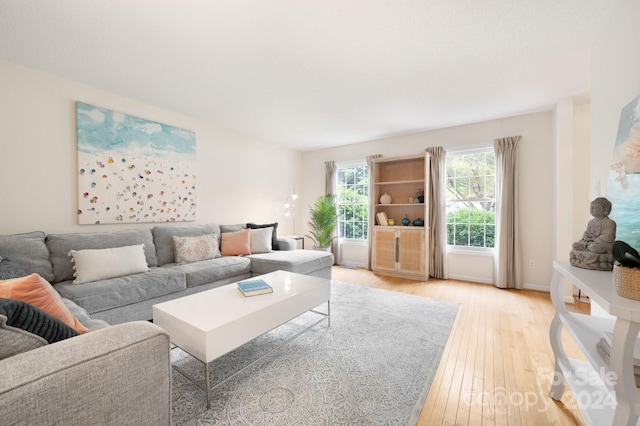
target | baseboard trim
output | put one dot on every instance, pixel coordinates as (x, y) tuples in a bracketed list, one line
[(471, 279), (536, 287)]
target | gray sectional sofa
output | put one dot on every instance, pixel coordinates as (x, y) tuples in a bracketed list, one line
[(120, 372), (131, 297)]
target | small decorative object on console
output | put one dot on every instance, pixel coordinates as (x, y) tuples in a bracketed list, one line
[(406, 221), (254, 287), (595, 249), (418, 222), (626, 270)]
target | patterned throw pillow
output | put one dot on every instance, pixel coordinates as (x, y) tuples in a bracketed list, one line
[(193, 249)]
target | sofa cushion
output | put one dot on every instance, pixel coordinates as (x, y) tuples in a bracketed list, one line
[(275, 245), (82, 315), (300, 261), (61, 244), (163, 238), (36, 290), (25, 316), (29, 251), (237, 227), (207, 271), (10, 269), (194, 249), (100, 264), (101, 295)]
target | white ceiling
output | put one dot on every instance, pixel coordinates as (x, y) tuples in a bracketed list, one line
[(311, 74)]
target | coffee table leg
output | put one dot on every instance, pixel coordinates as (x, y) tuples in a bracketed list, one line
[(207, 385), (328, 313)]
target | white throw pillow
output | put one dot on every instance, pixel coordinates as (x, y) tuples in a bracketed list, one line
[(261, 240), (100, 264)]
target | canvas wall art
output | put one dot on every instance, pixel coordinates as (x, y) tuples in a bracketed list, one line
[(623, 187), (133, 170)]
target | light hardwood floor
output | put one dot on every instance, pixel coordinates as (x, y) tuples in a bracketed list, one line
[(497, 366)]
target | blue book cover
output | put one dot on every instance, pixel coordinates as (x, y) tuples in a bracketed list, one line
[(254, 287)]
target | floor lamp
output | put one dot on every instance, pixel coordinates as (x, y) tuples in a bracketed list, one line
[(290, 208)]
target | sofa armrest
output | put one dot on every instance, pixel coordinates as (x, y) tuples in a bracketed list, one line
[(112, 376), (287, 243)]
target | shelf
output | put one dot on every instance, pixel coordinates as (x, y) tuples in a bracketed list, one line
[(400, 182), (401, 205), (595, 400), (588, 330), (399, 226)]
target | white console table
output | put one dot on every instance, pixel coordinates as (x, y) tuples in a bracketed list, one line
[(607, 394)]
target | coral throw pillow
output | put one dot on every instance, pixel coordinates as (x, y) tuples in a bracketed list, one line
[(235, 243), (36, 290)]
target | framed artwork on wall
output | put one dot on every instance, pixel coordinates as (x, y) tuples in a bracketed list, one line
[(132, 170), (623, 187)]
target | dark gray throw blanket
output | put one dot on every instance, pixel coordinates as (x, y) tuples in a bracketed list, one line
[(33, 320)]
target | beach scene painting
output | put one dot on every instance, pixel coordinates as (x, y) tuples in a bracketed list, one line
[(132, 170), (623, 186)]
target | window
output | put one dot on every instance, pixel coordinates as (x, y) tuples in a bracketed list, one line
[(471, 197), (353, 201)]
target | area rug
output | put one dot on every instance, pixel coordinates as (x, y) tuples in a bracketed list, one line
[(373, 365)]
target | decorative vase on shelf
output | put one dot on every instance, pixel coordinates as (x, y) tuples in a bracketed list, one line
[(418, 222), (406, 221), (385, 198)]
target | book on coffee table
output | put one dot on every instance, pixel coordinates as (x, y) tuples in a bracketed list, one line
[(254, 287)]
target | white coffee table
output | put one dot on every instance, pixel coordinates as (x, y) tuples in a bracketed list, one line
[(211, 323)]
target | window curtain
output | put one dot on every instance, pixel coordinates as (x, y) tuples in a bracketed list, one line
[(332, 188), (507, 273), (437, 213), (370, 159)]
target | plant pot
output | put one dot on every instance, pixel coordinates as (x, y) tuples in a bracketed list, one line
[(327, 249)]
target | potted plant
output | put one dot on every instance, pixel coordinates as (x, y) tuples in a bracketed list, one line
[(322, 223)]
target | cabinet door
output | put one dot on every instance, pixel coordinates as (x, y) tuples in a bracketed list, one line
[(412, 255), (383, 249)]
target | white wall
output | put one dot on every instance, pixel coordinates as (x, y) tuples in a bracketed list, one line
[(536, 185), (615, 72), (239, 179)]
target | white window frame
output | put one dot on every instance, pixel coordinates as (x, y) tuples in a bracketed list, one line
[(463, 150), (346, 165)]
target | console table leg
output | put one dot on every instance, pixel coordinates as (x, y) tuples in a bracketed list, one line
[(622, 346), (555, 336)]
